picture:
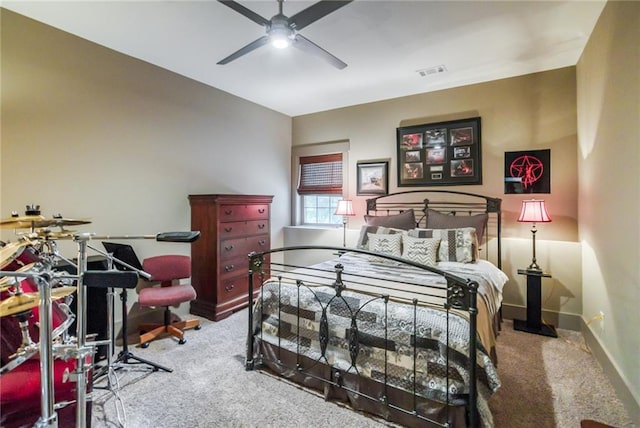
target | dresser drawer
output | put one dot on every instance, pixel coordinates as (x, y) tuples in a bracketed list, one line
[(232, 287), (242, 228), (241, 247), (243, 212), (234, 267)]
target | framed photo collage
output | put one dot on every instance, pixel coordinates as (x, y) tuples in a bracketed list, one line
[(440, 154)]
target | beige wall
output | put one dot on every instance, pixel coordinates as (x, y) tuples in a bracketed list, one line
[(536, 111), (91, 133), (88, 132), (608, 80)]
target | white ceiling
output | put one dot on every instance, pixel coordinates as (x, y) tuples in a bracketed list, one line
[(384, 43)]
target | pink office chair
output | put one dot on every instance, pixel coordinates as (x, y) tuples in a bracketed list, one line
[(168, 270)]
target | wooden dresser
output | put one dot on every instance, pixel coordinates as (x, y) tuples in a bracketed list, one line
[(231, 226)]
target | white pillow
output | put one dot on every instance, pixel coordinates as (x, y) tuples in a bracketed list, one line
[(363, 240), (420, 250), (388, 244)]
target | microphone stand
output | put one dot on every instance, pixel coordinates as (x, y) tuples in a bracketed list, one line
[(125, 355)]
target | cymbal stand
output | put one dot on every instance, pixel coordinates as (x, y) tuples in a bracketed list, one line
[(48, 258), (48, 416), (82, 349), (110, 334)]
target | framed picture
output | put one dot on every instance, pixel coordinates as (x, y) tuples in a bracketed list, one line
[(527, 171), (440, 154), (373, 178)]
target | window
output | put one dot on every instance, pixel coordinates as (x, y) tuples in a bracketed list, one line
[(320, 188), (319, 209)]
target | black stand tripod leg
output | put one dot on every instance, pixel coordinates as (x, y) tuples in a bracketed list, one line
[(125, 355)]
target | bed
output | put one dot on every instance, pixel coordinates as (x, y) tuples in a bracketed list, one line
[(390, 326)]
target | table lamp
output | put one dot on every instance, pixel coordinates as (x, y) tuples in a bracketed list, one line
[(534, 211), (345, 209)]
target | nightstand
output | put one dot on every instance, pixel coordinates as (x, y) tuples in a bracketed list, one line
[(534, 324)]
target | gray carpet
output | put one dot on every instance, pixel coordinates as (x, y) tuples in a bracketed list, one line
[(545, 383)]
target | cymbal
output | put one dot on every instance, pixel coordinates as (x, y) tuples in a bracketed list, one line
[(7, 281), (20, 222), (38, 221), (25, 301), (47, 234), (10, 251), (59, 221)]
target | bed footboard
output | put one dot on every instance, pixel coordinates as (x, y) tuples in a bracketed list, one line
[(409, 357)]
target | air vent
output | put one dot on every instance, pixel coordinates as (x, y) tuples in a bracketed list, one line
[(432, 70)]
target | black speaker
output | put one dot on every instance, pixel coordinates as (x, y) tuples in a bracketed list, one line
[(97, 322)]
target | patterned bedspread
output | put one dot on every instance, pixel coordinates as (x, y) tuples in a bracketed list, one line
[(361, 331)]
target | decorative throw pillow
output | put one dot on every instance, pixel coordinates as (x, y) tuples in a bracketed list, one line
[(420, 250), (388, 244), (363, 240), (405, 220), (438, 220), (456, 245)]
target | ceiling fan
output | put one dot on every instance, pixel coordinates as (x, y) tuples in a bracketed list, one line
[(283, 31)]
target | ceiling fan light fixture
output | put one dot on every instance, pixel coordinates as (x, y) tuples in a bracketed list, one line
[(280, 37), (280, 42), (282, 31)]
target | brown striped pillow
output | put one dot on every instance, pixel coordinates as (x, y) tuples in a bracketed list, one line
[(456, 245)]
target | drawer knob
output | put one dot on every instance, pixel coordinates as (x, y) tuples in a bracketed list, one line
[(261, 210), (229, 287), (228, 247), (261, 242), (229, 268), (228, 212), (228, 229), (261, 226)]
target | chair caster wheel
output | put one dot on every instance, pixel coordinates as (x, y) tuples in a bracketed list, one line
[(198, 327), (182, 341), (145, 345)]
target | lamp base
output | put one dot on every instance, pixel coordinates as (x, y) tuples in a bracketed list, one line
[(344, 233), (534, 267)]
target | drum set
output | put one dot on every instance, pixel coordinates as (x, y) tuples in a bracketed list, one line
[(40, 357)]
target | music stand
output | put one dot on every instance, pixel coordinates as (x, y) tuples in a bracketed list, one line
[(125, 253)]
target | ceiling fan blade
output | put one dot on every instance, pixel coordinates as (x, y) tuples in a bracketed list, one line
[(307, 45), (315, 12), (246, 12), (245, 50)]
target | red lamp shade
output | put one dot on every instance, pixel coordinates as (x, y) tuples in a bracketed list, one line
[(344, 208), (534, 211)]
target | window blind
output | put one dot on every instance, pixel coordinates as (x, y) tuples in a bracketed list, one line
[(320, 174)]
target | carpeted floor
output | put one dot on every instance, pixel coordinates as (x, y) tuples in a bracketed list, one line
[(545, 383)]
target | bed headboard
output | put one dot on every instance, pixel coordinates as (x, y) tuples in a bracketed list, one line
[(434, 202)]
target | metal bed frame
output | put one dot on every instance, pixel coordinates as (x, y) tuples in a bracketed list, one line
[(460, 295)]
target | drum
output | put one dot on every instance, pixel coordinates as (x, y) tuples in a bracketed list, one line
[(10, 333), (20, 393), (17, 254)]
